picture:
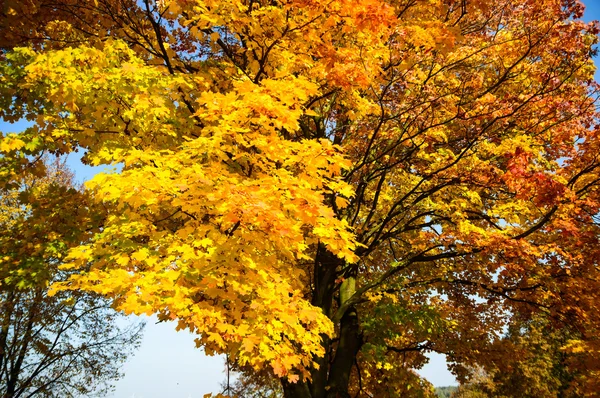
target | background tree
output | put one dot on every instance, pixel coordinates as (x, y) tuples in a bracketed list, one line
[(543, 364), (445, 392), (251, 385), (325, 191), (70, 344)]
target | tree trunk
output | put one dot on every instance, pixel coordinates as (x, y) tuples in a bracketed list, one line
[(326, 264), (319, 376), (295, 390), (345, 354), (332, 379)]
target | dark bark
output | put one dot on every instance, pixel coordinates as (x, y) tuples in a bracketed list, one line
[(331, 379), (295, 390), (347, 349), (319, 376), (326, 264), (324, 279)]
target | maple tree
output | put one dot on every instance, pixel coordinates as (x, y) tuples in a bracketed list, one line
[(324, 190), (69, 344)]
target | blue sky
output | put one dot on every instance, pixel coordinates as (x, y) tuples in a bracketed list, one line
[(168, 365)]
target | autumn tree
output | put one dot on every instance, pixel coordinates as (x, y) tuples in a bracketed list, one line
[(480, 383), (445, 392), (325, 190), (547, 361), (70, 344)]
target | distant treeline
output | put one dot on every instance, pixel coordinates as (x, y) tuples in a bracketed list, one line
[(445, 392)]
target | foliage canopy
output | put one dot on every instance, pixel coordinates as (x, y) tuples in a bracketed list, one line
[(325, 190)]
